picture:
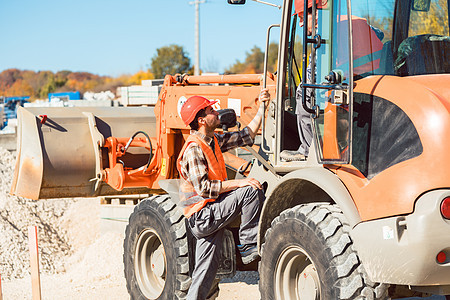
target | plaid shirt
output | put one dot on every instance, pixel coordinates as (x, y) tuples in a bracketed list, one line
[(194, 165)]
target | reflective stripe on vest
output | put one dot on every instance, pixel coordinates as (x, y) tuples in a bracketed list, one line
[(189, 199)]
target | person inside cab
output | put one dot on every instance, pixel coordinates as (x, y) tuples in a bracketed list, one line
[(304, 124), (367, 46)]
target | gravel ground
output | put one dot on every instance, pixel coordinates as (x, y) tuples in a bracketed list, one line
[(16, 215), (76, 261), (94, 269)]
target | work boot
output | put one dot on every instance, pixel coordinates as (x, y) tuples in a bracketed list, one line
[(214, 292), (248, 252), (290, 155)]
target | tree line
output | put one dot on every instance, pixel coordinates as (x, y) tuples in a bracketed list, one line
[(171, 59), (37, 85), (174, 60)]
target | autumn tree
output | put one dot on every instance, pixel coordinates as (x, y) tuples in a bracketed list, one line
[(19, 88), (37, 85), (8, 78), (254, 61), (139, 76), (82, 81), (435, 20), (170, 60), (14, 82)]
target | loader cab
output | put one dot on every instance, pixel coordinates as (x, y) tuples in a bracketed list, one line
[(389, 38)]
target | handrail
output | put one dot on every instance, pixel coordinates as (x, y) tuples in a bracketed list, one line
[(266, 58), (326, 86), (221, 79)]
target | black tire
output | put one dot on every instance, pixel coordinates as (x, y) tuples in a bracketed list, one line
[(308, 254), (156, 263)]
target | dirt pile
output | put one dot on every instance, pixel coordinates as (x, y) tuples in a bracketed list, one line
[(16, 215), (76, 262)]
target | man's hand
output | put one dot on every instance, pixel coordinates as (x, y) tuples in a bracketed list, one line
[(250, 181), (264, 95), (253, 126), (230, 185)]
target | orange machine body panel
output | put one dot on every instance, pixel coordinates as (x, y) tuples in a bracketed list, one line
[(239, 92), (330, 146), (394, 190)]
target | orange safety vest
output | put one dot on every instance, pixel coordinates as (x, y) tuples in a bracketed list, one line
[(216, 171)]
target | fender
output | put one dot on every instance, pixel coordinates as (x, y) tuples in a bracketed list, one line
[(313, 184), (171, 186)]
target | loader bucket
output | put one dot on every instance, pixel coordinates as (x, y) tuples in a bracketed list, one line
[(57, 152)]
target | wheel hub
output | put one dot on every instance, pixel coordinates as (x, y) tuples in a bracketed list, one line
[(308, 284), (158, 262), (296, 276), (150, 264)]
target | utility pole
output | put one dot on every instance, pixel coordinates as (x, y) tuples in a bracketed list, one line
[(197, 35)]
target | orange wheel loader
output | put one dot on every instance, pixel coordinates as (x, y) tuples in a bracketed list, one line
[(365, 216)]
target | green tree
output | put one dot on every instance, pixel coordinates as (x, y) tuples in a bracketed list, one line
[(272, 60), (61, 78), (43, 83), (48, 87), (170, 60)]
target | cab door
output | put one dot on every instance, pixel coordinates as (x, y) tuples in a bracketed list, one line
[(332, 82), (324, 75)]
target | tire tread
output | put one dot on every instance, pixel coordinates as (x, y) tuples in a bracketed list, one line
[(329, 223), (175, 221)]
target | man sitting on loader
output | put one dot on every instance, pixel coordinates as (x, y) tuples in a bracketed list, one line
[(209, 200)]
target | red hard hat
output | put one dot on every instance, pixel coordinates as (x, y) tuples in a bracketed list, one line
[(299, 4), (191, 107)]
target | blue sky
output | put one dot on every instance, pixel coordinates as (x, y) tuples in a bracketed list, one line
[(111, 37)]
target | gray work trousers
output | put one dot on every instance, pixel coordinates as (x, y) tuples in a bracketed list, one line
[(207, 226), (305, 132), (304, 123)]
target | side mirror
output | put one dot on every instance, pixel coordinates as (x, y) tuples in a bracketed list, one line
[(227, 118), (236, 1)]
